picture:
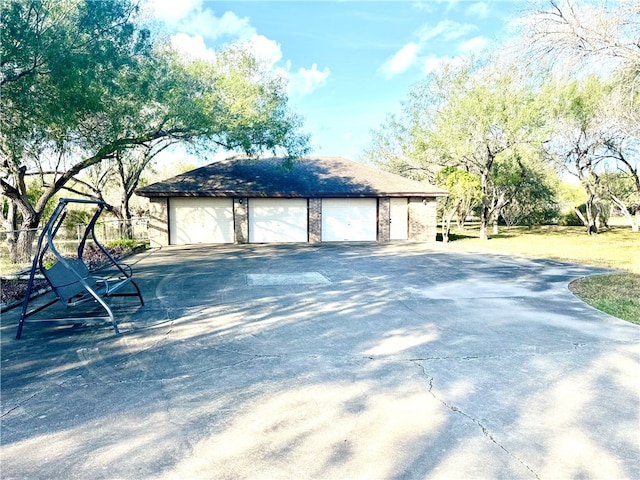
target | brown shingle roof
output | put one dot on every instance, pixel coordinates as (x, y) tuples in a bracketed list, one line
[(309, 177)]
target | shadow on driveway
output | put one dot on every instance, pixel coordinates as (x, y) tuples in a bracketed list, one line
[(331, 361)]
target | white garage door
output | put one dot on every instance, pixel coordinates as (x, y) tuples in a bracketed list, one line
[(399, 229), (277, 220), (349, 219), (200, 220)]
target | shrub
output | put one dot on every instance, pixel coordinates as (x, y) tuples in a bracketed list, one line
[(123, 244), (570, 219), (75, 218)]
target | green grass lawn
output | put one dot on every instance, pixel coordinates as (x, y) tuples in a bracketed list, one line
[(617, 248)]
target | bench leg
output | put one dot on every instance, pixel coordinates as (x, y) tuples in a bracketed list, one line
[(112, 318)]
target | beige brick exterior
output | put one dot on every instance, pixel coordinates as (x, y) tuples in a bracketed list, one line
[(315, 220), (241, 220), (384, 219), (422, 219)]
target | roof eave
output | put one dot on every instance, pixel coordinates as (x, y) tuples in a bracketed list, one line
[(249, 194)]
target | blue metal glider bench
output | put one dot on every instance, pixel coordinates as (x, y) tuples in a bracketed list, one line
[(72, 281)]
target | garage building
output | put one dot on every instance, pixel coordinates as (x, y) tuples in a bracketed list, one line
[(316, 199)]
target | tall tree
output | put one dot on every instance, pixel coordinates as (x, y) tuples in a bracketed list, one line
[(233, 103), (485, 119), (582, 32), (597, 37), (623, 185), (621, 113), (578, 143), (57, 58), (475, 118), (139, 96), (464, 194)]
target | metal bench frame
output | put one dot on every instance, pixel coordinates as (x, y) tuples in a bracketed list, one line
[(71, 280)]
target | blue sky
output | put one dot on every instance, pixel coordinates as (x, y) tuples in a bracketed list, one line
[(349, 64)]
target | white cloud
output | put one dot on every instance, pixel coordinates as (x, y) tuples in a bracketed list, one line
[(191, 16), (305, 81), (232, 25), (171, 11), (447, 30), (265, 49), (193, 47), (205, 26), (434, 64), (444, 31), (473, 45), (401, 61), (431, 6), (208, 25), (479, 9)]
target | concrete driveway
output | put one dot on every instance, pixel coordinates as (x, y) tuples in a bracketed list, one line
[(329, 362)]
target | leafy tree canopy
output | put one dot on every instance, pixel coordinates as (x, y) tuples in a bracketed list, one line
[(83, 81)]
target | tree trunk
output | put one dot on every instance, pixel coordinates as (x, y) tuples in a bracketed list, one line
[(447, 217), (21, 242), (126, 229), (446, 228), (484, 225), (634, 221), (585, 221), (484, 220), (592, 216), (495, 226)]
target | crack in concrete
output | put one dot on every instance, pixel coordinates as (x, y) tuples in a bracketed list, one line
[(485, 431), (43, 389), (21, 403), (507, 354)]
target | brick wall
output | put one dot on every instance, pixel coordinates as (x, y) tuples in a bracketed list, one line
[(384, 219), (315, 220), (241, 220), (422, 219)]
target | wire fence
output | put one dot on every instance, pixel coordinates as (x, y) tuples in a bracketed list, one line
[(68, 239)]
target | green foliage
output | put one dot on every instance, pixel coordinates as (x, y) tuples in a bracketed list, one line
[(483, 120), (64, 54), (570, 219), (34, 193), (74, 218), (530, 192), (465, 190), (485, 115), (579, 102), (623, 187), (108, 90), (123, 244), (459, 182), (570, 195)]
